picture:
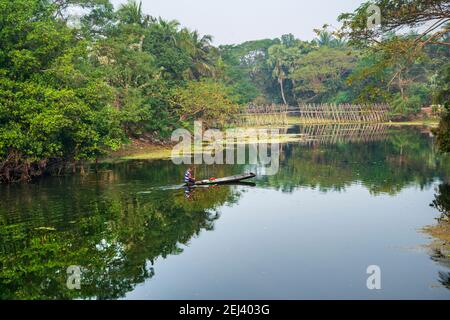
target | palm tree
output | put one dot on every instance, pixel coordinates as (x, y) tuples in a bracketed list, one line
[(277, 62), (202, 53), (325, 39), (169, 28), (131, 13)]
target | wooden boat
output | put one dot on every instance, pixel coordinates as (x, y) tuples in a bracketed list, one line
[(238, 183), (225, 180)]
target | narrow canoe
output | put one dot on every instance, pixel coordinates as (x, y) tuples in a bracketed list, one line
[(224, 180)]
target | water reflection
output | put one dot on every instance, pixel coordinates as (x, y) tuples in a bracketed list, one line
[(442, 201), (118, 222), (440, 250), (115, 236), (341, 133), (404, 158)]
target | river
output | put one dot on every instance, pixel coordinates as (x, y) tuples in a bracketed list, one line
[(338, 204)]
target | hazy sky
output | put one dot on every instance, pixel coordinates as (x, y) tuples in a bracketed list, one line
[(236, 21)]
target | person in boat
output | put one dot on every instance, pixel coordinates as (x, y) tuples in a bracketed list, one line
[(189, 192), (188, 177)]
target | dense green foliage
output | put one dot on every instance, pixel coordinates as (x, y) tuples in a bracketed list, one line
[(416, 63), (50, 105), (246, 69), (354, 64), (205, 100), (73, 88), (443, 97), (331, 70)]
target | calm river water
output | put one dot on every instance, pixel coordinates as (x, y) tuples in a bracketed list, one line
[(338, 204)]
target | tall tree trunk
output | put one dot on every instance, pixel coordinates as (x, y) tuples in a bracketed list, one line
[(280, 81)]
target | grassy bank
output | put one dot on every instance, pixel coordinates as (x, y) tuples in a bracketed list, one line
[(144, 150), (140, 150)]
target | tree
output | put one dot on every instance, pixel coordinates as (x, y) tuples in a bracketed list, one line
[(246, 71), (396, 15), (131, 13), (203, 55), (328, 39), (131, 72), (324, 39), (51, 108), (288, 40), (320, 74), (203, 100), (405, 59), (276, 60)]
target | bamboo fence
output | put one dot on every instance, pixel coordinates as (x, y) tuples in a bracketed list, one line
[(314, 114), (265, 115), (343, 113)]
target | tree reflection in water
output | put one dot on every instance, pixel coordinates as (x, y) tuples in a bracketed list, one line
[(441, 253), (114, 236), (116, 224)]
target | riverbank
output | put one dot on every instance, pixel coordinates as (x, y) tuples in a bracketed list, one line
[(440, 231), (139, 149), (440, 234), (147, 150)]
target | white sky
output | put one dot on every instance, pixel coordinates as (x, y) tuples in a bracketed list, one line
[(236, 21)]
